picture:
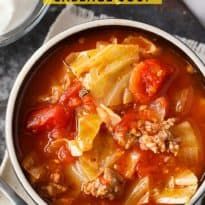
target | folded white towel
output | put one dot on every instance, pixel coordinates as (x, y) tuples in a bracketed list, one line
[(198, 9)]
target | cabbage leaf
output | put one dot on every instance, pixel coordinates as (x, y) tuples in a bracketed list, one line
[(105, 71), (184, 185), (190, 150), (88, 128), (103, 154)]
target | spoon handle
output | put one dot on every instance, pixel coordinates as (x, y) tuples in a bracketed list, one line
[(11, 194)]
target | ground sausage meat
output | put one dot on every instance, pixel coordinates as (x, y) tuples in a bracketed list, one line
[(155, 136), (109, 185), (158, 138)]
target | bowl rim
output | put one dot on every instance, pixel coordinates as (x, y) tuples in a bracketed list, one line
[(48, 45)]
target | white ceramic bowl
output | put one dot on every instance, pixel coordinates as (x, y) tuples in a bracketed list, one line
[(42, 50)]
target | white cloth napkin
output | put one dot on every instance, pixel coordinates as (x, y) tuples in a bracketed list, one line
[(198, 9)]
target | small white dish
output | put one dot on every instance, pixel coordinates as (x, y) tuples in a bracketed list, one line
[(24, 27)]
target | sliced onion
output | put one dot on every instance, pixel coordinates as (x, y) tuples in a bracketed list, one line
[(108, 116), (139, 194), (190, 150)]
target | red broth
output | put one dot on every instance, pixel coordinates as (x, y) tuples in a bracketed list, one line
[(47, 170)]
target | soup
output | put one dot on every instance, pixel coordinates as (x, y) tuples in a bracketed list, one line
[(113, 116)]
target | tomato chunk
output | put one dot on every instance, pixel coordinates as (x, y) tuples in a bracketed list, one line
[(47, 118), (89, 103), (147, 78), (71, 96), (128, 122)]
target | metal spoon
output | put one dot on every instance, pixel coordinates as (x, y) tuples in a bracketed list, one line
[(14, 198)]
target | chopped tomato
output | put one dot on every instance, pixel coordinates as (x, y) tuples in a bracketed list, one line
[(47, 118), (129, 117), (89, 103), (74, 102), (72, 92), (128, 121), (147, 78), (72, 98)]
